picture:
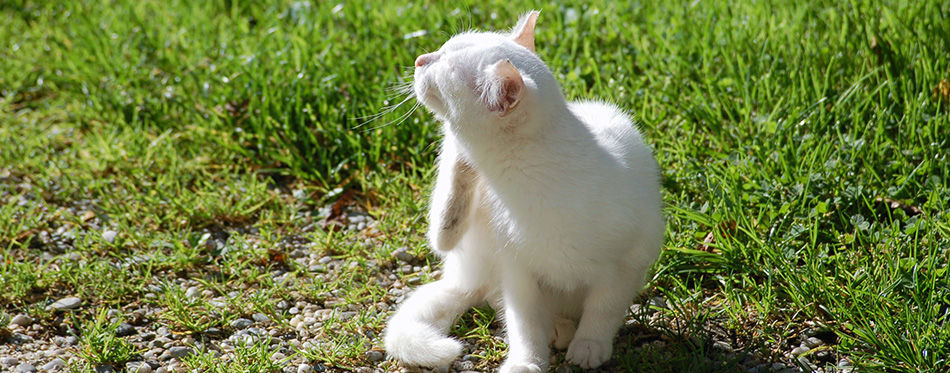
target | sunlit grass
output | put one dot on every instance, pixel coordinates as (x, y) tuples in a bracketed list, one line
[(803, 145)]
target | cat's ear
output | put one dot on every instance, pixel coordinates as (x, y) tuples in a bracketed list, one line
[(505, 88), (523, 33)]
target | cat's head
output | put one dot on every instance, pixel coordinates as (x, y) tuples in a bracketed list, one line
[(485, 75)]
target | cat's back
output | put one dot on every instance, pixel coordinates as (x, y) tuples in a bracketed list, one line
[(614, 131)]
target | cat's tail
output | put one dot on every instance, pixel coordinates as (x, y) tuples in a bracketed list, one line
[(417, 333), (417, 343)]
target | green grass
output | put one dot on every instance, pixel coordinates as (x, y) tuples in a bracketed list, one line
[(804, 151)]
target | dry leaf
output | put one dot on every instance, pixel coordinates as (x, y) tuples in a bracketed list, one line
[(895, 204), (941, 92)]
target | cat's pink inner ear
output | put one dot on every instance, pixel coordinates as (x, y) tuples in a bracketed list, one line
[(523, 33), (507, 89)]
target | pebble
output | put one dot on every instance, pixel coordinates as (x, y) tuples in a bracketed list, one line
[(260, 317), (304, 368), (8, 361), (125, 330), (402, 254), (105, 368), (138, 367), (25, 368), (64, 304), (193, 292), (179, 351), (374, 356), (214, 333), (109, 236), (462, 366), (658, 302), (241, 323), (812, 342), (21, 320), (799, 350), (55, 365)]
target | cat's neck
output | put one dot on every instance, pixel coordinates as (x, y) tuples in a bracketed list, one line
[(546, 136)]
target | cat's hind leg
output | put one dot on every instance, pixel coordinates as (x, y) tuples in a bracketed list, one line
[(564, 330), (605, 306)]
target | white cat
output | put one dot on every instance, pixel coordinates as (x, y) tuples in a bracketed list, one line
[(550, 211)]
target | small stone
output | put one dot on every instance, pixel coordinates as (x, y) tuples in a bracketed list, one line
[(213, 333), (55, 365), (241, 323), (25, 368), (64, 304), (179, 351), (844, 363), (109, 236), (21, 320), (304, 368), (799, 350), (346, 316), (138, 367), (658, 302), (804, 362), (563, 369), (154, 353), (463, 366), (125, 330), (8, 361), (278, 357), (722, 346), (374, 356), (812, 342), (402, 254), (193, 292), (105, 368), (260, 317), (778, 366), (319, 268)]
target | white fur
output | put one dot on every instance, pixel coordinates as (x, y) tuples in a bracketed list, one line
[(550, 211)]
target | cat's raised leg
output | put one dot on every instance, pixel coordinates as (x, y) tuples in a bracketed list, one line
[(605, 306), (528, 320), (451, 199)]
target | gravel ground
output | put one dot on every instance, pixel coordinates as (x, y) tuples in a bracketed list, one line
[(30, 345)]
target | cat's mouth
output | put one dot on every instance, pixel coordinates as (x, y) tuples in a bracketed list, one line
[(426, 91)]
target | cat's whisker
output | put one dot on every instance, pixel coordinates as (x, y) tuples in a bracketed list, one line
[(398, 121), (387, 110)]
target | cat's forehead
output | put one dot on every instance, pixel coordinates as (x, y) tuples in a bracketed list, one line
[(474, 40)]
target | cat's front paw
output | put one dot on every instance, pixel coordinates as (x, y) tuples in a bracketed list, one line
[(587, 353), (510, 367)]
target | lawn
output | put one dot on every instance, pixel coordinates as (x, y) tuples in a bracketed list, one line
[(214, 183)]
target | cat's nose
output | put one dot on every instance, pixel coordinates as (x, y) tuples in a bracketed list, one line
[(427, 58)]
